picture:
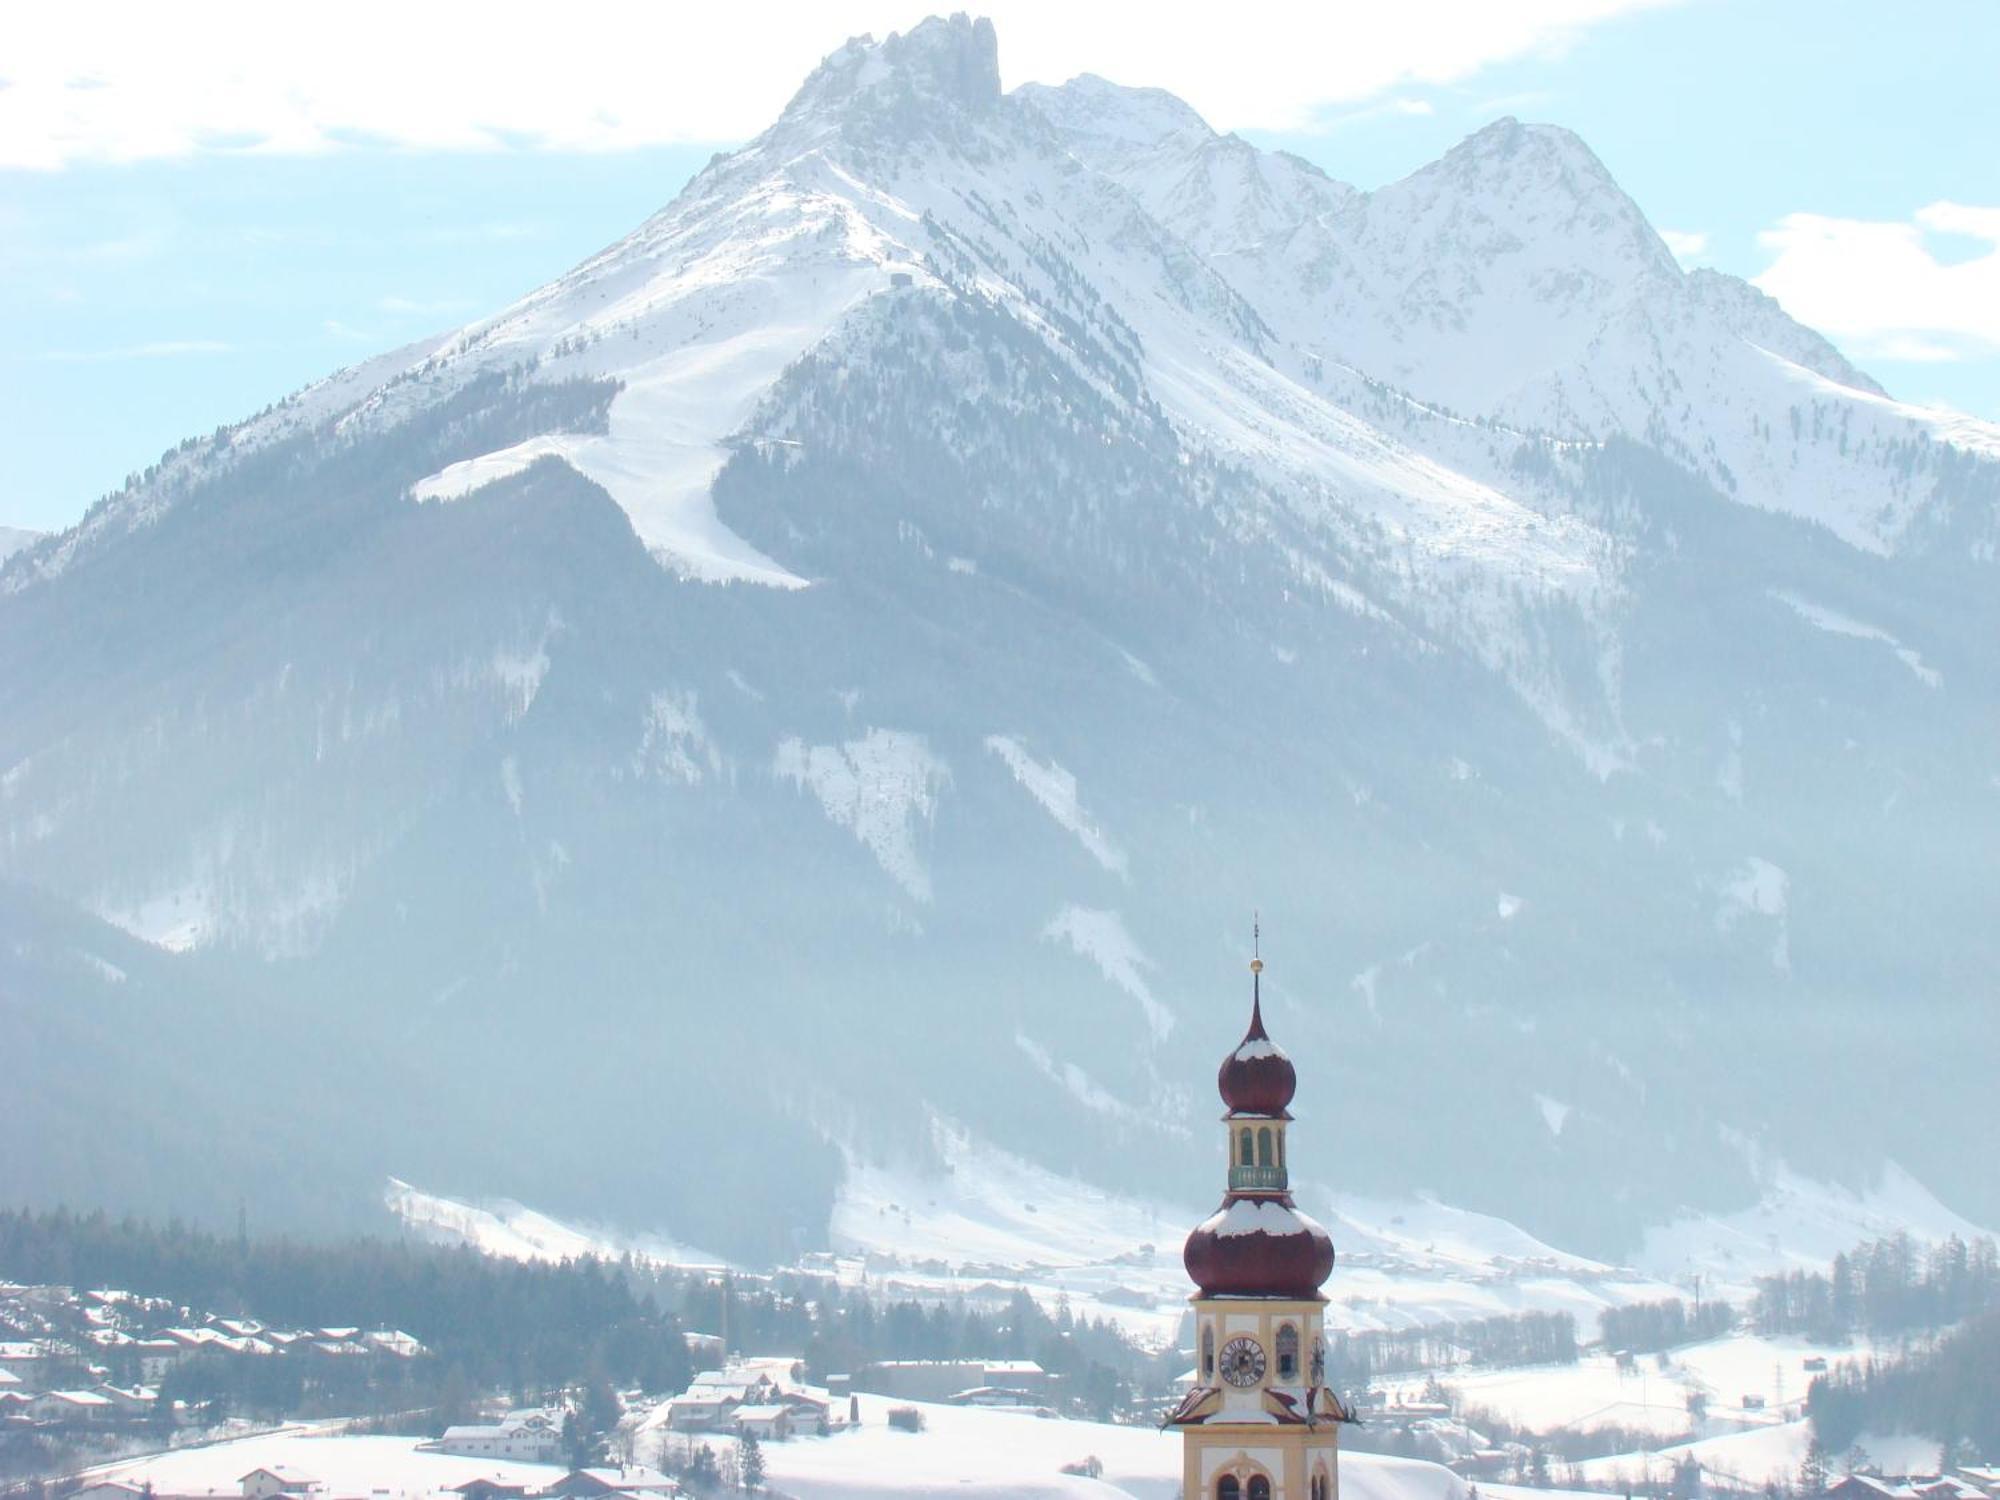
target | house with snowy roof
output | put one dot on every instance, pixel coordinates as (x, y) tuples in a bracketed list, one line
[(487, 1488), (70, 1407), (530, 1436), (1868, 1487), (111, 1489), (634, 1480), (1948, 1487), (25, 1358), (770, 1423), (279, 1482), (703, 1408)]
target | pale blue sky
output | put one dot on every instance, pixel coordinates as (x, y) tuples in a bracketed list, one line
[(148, 299)]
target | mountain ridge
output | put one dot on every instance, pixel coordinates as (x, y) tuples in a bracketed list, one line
[(857, 644)]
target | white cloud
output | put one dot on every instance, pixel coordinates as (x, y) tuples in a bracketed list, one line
[(131, 79), (1885, 287), (1689, 245)]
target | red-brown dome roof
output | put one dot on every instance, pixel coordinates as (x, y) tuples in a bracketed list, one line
[(1258, 1247), (1257, 1078)]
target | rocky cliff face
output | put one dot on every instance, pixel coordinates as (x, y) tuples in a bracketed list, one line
[(855, 651)]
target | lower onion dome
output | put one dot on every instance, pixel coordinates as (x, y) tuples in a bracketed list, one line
[(1258, 1247)]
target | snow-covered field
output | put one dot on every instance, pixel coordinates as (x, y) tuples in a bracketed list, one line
[(962, 1451), (384, 1468), (1595, 1393), (968, 1451), (1753, 1458)]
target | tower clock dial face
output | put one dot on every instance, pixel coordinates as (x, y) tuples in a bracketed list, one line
[(1243, 1361)]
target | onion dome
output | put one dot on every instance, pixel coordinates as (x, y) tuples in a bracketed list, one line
[(1257, 1078), (1259, 1247)]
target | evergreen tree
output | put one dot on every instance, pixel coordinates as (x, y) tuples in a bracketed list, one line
[(1812, 1472), (750, 1461)]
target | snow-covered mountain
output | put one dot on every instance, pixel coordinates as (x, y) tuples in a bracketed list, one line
[(855, 651)]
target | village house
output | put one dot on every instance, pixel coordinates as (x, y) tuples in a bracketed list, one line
[(628, 1480), (771, 1423), (941, 1379), (488, 1489), (710, 1402), (111, 1489), (811, 1417), (1868, 1487), (70, 1407), (992, 1395), (530, 1436), (26, 1360), (279, 1482)]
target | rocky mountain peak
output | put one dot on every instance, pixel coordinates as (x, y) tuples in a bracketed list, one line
[(949, 62)]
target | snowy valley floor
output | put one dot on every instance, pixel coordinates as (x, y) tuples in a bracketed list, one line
[(962, 1452)]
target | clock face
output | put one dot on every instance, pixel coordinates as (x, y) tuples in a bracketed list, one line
[(1242, 1361)]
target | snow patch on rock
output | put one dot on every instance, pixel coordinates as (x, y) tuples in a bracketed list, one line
[(1100, 936), (1758, 888), (1836, 623), (1055, 789), (880, 787)]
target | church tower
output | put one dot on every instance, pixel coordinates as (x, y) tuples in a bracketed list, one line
[(1260, 1422)]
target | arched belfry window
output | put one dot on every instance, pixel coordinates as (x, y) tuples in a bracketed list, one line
[(1207, 1352), (1228, 1488), (1281, 1148), (1248, 1152), (1264, 1147), (1288, 1353), (1260, 1487)]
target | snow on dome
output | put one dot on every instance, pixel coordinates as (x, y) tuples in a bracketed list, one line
[(1257, 1078), (1258, 1247)]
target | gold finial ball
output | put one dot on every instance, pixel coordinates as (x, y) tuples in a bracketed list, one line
[(1256, 966)]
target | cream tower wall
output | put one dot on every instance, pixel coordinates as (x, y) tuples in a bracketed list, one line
[(1240, 1438)]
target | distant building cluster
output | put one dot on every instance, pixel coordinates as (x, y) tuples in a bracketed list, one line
[(62, 1371), (283, 1482)]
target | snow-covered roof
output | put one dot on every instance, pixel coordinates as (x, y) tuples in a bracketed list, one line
[(283, 1472)]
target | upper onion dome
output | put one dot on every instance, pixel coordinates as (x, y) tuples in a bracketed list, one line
[(1258, 1247), (1257, 1078)]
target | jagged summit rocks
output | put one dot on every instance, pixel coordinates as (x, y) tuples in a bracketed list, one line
[(938, 81), (845, 591)]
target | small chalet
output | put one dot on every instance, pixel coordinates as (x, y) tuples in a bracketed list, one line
[(765, 1423), (597, 1484), (532, 1436), (279, 1480), (71, 1406), (111, 1489), (1868, 1487), (489, 1489)]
